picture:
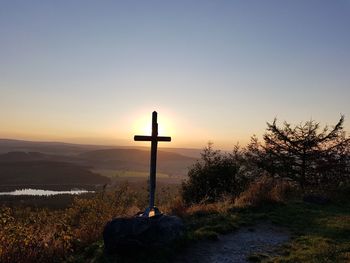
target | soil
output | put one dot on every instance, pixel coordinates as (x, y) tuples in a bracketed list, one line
[(236, 247)]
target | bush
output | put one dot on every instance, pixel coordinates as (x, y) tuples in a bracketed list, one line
[(215, 175), (264, 190)]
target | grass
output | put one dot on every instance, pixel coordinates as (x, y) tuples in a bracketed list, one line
[(320, 233), (312, 240)]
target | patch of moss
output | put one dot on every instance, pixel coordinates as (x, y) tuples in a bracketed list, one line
[(258, 257), (205, 233)]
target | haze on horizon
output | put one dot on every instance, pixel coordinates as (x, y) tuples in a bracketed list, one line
[(93, 71)]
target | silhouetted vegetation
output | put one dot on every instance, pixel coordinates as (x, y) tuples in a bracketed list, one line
[(215, 175), (315, 158)]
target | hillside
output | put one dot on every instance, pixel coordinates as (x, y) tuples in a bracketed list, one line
[(138, 160), (114, 159), (32, 163), (36, 156), (61, 148), (47, 173), (121, 159)]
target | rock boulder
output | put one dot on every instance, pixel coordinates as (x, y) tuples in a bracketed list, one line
[(127, 234)]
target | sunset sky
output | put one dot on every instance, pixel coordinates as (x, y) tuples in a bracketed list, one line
[(93, 71)]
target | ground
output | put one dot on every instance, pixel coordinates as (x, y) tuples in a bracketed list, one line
[(247, 243), (291, 233)]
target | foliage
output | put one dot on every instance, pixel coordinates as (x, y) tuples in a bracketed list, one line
[(214, 176), (311, 156), (41, 235)]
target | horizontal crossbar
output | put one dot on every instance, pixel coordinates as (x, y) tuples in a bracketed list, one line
[(150, 138), (163, 139)]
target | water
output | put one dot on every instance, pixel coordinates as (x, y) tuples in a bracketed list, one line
[(40, 192)]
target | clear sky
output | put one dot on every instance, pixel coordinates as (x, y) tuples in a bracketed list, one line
[(93, 71)]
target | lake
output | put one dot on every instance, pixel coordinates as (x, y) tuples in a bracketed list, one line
[(40, 192)]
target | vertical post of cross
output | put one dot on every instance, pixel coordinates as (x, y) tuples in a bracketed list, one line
[(154, 139), (153, 163)]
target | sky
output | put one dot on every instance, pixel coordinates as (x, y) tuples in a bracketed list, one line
[(93, 71)]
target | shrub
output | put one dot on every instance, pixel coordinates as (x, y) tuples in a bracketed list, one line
[(88, 216), (215, 175)]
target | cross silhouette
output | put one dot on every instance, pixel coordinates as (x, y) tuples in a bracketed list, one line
[(154, 139)]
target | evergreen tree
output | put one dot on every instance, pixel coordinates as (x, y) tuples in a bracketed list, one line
[(307, 154)]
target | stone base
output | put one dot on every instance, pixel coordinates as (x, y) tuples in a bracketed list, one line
[(139, 232)]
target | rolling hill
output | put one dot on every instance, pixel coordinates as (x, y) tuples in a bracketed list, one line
[(61, 148), (31, 173), (172, 164), (64, 164)]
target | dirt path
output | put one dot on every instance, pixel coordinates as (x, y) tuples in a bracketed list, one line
[(237, 246)]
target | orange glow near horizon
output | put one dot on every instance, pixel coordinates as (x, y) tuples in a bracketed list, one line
[(143, 126), (120, 131)]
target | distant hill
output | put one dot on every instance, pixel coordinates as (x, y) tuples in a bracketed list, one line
[(58, 148), (34, 156), (132, 159), (47, 172), (132, 155), (23, 162), (61, 148), (169, 163)]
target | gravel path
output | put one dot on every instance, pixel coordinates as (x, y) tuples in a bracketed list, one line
[(237, 246)]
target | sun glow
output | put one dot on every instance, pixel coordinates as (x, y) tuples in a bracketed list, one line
[(143, 126)]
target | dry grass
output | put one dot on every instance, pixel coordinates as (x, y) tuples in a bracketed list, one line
[(265, 190), (175, 206), (178, 207), (28, 235), (222, 207)]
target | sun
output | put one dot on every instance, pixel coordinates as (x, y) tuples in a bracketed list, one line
[(143, 126)]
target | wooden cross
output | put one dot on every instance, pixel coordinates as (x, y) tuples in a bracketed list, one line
[(154, 139)]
